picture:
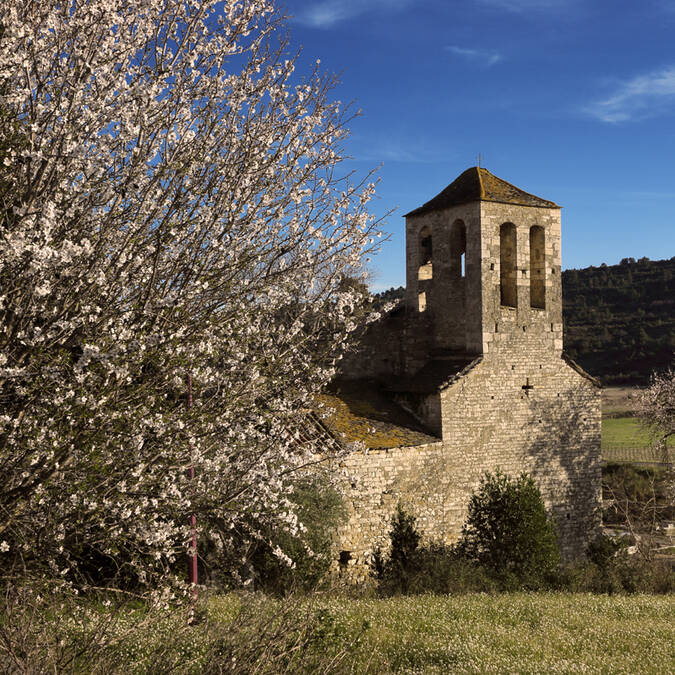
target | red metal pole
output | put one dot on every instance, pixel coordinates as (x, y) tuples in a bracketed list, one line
[(192, 559)]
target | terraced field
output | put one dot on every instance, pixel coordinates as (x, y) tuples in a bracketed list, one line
[(623, 438)]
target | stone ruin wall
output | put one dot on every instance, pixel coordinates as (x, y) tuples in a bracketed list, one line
[(396, 345), (466, 313), (551, 431)]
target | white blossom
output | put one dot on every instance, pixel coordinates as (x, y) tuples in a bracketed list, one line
[(171, 202)]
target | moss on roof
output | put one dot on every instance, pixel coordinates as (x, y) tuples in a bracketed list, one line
[(478, 184), (359, 411)]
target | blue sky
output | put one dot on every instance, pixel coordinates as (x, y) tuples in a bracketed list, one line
[(572, 100)]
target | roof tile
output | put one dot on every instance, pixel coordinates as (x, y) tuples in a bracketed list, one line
[(478, 184)]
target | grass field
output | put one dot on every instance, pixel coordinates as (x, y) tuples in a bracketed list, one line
[(625, 432), (623, 439), (522, 632), (251, 632)]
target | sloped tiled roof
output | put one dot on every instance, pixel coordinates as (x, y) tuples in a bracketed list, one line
[(360, 410), (478, 184), (575, 366)]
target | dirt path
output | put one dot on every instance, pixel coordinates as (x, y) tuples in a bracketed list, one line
[(619, 401)]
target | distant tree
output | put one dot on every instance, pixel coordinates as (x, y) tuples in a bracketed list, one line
[(639, 499), (625, 298), (392, 294), (174, 204)]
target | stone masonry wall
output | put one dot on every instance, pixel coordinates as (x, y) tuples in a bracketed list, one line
[(523, 413), (551, 430), (466, 312), (452, 301), (398, 344), (522, 328)]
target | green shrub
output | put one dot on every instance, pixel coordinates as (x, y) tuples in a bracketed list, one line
[(509, 532), (636, 483), (319, 508), (608, 569), (620, 576), (657, 576), (442, 571), (412, 569), (395, 572), (639, 496), (404, 542), (508, 543)]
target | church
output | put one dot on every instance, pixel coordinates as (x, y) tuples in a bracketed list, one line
[(467, 375)]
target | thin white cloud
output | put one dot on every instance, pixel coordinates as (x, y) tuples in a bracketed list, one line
[(528, 5), (667, 5), (643, 96), (641, 195), (327, 13), (406, 150), (481, 57)]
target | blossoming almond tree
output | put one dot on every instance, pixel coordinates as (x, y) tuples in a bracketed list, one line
[(656, 407), (643, 507), (172, 202)]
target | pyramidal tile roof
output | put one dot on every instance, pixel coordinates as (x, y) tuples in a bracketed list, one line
[(479, 185)]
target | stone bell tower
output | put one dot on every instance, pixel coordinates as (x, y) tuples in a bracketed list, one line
[(483, 267), (474, 357)]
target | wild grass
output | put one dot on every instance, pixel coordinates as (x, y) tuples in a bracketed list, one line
[(525, 633), (241, 633)]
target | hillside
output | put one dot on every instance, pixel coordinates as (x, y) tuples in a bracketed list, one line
[(619, 319)]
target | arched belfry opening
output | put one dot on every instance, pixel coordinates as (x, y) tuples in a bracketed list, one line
[(425, 266), (537, 267), (507, 265), (458, 248), (462, 290), (425, 270)]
